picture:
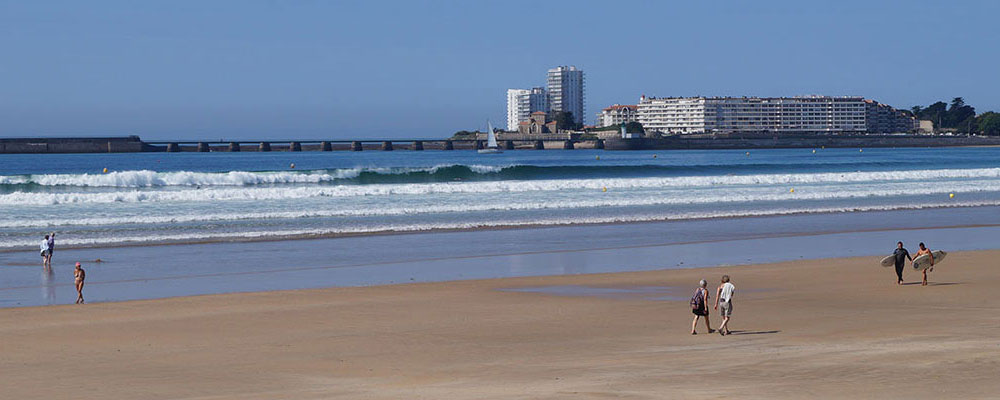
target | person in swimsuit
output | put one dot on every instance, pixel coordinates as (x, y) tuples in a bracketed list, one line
[(923, 250), (703, 311), (901, 255), (79, 275)]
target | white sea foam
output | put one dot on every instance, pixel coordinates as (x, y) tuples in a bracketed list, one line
[(70, 240), (146, 178), (945, 180), (596, 199)]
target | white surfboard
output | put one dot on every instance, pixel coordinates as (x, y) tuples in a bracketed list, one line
[(923, 262), (888, 261)]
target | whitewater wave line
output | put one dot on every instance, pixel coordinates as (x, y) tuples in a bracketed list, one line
[(148, 178), (602, 200), (152, 179), (963, 183), (69, 240)]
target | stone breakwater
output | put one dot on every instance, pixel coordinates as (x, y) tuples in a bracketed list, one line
[(127, 144)]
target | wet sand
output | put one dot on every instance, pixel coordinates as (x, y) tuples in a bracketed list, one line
[(833, 328), (150, 272)]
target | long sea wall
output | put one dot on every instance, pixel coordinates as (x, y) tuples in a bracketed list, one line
[(128, 144)]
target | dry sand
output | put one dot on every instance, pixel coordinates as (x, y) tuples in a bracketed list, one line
[(824, 328)]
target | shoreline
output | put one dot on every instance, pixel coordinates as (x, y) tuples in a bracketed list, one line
[(829, 328), (301, 237), (150, 272)]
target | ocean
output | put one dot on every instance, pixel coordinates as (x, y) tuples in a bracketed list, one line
[(155, 198)]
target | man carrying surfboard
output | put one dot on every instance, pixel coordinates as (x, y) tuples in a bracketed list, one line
[(923, 250), (901, 255)]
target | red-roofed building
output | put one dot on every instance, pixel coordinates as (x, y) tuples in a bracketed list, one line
[(617, 114)]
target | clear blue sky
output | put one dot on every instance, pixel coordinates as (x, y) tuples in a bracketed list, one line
[(328, 69)]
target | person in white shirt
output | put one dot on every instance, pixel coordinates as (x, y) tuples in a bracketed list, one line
[(44, 248), (724, 297)]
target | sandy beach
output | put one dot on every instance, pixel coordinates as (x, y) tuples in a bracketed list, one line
[(834, 328)]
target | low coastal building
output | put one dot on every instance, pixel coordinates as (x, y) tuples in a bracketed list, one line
[(537, 124), (925, 126), (798, 115), (616, 115)]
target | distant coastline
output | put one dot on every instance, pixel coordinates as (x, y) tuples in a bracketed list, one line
[(133, 144)]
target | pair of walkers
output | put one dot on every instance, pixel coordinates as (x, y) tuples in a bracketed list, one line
[(723, 303), (901, 255)]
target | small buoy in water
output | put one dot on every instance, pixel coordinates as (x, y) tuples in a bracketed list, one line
[(654, 155), (292, 166), (861, 150), (814, 151), (748, 154), (105, 170), (951, 195), (598, 157), (792, 190), (604, 189)]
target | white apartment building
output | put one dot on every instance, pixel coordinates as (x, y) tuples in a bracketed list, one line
[(565, 85), (522, 102), (616, 115), (807, 114)]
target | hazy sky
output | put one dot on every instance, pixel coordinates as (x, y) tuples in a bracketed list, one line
[(327, 69)]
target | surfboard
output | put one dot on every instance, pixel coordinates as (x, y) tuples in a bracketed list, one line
[(888, 261), (923, 262)]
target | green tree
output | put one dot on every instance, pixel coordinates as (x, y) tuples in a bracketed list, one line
[(959, 116), (634, 127), (989, 123), (564, 120), (934, 112)]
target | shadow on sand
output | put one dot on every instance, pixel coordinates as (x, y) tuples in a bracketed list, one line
[(753, 332), (934, 283)]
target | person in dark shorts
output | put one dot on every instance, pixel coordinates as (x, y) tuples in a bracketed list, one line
[(699, 307), (52, 245), (901, 255)]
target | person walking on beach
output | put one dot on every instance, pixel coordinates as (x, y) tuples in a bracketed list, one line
[(699, 306), (52, 246), (44, 250), (924, 250), (79, 275), (901, 256), (724, 297)]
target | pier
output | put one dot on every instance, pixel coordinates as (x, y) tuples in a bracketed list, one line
[(366, 145), (132, 144)]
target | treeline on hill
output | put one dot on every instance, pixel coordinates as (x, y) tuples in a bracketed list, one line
[(959, 117)]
